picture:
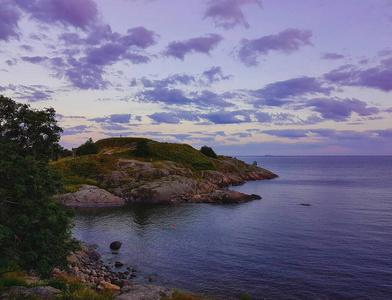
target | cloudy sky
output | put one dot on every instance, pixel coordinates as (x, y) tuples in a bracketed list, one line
[(246, 77)]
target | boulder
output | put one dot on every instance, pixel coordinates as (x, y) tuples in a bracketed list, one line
[(118, 264), (90, 196), (115, 245)]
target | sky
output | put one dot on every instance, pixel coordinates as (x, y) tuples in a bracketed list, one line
[(245, 77)]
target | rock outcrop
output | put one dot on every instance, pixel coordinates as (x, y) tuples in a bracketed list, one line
[(90, 195), (168, 182)]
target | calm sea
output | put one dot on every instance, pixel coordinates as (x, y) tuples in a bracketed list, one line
[(339, 247)]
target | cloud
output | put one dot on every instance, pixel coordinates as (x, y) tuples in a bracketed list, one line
[(378, 77), (35, 59), (115, 118), (165, 95), (173, 96), (215, 74), (340, 109), (9, 18), (11, 62), (228, 117), (282, 92), (100, 49), (263, 117), (332, 56), (174, 117), (178, 49), (171, 80), (286, 41), (228, 13), (287, 133), (27, 48), (75, 130), (207, 98), (30, 93), (120, 118), (77, 13)]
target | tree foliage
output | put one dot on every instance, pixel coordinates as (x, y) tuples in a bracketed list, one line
[(142, 149), (35, 229), (208, 152), (87, 148)]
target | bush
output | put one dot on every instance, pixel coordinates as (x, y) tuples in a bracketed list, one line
[(87, 148), (208, 152), (142, 149)]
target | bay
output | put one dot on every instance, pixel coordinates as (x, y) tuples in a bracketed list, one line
[(274, 248)]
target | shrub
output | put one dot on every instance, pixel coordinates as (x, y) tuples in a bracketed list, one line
[(87, 148), (208, 152), (142, 149)]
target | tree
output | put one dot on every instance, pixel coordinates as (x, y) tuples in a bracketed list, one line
[(142, 149), (35, 229), (87, 148), (208, 152), (28, 132)]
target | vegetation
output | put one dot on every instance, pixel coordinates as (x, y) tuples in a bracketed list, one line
[(78, 171), (87, 148), (35, 230), (183, 154), (142, 149), (70, 287), (208, 152), (117, 142)]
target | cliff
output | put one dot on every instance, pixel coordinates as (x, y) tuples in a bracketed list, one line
[(168, 173)]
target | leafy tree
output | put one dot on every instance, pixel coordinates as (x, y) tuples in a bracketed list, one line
[(35, 229), (208, 152), (28, 132), (87, 148)]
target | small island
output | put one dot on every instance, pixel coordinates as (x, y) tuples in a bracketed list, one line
[(127, 170)]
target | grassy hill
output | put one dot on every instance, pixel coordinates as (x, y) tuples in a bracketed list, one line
[(91, 169)]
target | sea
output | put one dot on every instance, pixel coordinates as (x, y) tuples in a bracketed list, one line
[(322, 230)]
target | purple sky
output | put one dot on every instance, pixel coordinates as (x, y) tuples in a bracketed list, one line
[(246, 77)]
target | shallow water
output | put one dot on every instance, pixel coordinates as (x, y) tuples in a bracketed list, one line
[(274, 248)]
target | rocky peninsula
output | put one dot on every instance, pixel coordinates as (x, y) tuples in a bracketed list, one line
[(168, 173)]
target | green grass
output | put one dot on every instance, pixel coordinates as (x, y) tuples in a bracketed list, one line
[(88, 169), (12, 279), (182, 154)]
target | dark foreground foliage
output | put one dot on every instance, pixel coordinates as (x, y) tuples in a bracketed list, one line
[(35, 230)]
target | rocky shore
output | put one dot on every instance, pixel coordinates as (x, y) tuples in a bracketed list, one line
[(88, 266), (168, 182)]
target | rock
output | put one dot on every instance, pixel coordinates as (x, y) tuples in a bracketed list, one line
[(41, 292), (90, 196), (115, 245), (118, 264), (144, 291), (94, 255), (109, 286)]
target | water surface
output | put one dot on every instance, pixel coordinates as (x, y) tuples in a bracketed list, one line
[(274, 248)]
